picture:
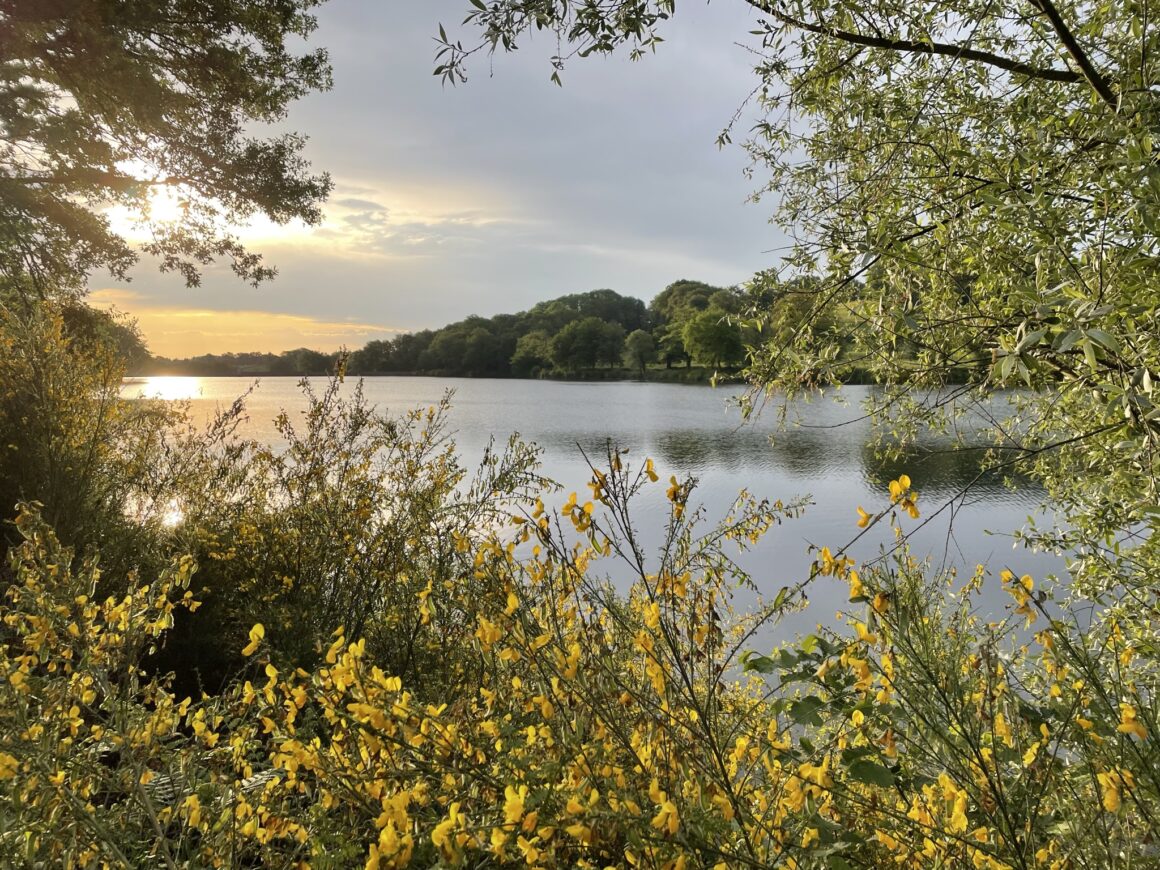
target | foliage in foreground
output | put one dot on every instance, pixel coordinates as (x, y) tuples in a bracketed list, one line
[(612, 723)]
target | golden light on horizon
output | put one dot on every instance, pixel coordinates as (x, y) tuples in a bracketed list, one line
[(177, 332)]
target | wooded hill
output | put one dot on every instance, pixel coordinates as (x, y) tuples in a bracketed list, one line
[(689, 322)]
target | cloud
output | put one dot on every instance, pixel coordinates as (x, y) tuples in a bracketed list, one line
[(177, 332)]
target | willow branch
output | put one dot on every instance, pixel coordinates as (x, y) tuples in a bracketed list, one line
[(960, 52), (1090, 73)]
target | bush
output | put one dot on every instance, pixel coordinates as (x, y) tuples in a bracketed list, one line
[(67, 440), (357, 520), (587, 726)]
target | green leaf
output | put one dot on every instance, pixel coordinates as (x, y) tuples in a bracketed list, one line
[(759, 663), (805, 711), (1030, 340), (1070, 340), (871, 773), (1105, 339), (856, 753), (1089, 353), (787, 659)]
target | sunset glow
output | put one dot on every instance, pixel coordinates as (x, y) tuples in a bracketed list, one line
[(177, 332)]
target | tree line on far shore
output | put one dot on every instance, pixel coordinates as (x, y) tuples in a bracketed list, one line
[(688, 323)]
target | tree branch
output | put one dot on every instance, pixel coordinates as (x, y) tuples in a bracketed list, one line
[(960, 52), (1097, 81)]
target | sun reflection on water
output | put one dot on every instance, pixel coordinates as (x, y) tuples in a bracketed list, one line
[(167, 388)]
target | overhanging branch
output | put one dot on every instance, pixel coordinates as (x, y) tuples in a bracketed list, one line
[(1094, 78), (910, 46)]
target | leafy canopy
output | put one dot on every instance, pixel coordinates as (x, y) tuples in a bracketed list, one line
[(105, 103)]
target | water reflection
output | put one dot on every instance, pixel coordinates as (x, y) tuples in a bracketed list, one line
[(699, 452), (167, 388), (691, 430), (687, 430), (948, 472)]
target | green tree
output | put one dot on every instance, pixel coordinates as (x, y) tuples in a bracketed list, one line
[(66, 438), (585, 343), (681, 296), (304, 361), (372, 358), (712, 338), (611, 347), (671, 309), (113, 104), (445, 352), (88, 326), (407, 350), (483, 354), (533, 353), (604, 304), (639, 350)]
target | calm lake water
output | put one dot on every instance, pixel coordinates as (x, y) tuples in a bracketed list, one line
[(827, 458)]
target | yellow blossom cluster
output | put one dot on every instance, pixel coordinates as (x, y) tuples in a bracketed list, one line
[(589, 727)]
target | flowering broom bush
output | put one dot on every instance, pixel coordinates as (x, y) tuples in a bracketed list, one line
[(613, 724)]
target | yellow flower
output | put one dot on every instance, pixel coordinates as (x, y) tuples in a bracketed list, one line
[(256, 634), (650, 470), (530, 852), (902, 495), (1003, 730), (1112, 784), (857, 590), (441, 836), (810, 837), (580, 832), (863, 518), (1031, 754), (8, 766), (488, 632), (667, 818), (513, 808), (1129, 724), (192, 809)]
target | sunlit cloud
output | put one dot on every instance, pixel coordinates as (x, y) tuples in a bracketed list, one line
[(177, 332), (361, 222)]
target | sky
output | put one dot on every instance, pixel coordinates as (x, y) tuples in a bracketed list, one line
[(489, 196)]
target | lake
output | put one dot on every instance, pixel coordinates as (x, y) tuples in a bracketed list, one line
[(695, 430)]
